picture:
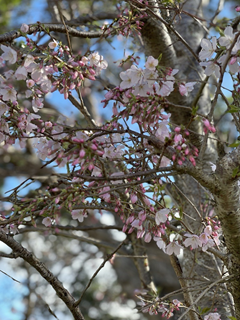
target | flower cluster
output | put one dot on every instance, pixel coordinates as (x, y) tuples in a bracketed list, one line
[(127, 23), (155, 305), (214, 53), (59, 71)]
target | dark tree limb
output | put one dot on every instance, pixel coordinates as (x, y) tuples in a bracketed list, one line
[(28, 256)]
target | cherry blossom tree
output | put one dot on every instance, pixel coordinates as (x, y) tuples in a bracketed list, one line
[(161, 165)]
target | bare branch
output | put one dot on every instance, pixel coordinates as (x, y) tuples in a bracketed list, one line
[(10, 36), (62, 293)]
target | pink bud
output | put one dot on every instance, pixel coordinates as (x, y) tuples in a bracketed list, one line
[(92, 72), (148, 237), (129, 220), (74, 75), (91, 77), (99, 152), (91, 184), (82, 153), (133, 198), (207, 124), (130, 230), (114, 110), (91, 166), (93, 147), (72, 86), (233, 60), (192, 160), (124, 229), (57, 200), (213, 129), (140, 233), (75, 162)]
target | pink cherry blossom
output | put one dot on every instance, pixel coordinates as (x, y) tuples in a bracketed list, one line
[(208, 230), (160, 243), (166, 88), (227, 40), (141, 89), (21, 73), (8, 94), (184, 89), (150, 76), (47, 221), (9, 54), (30, 83), (130, 77), (79, 214), (210, 243), (94, 58), (37, 103), (162, 131), (208, 48), (211, 68), (161, 216), (212, 316), (173, 248), (151, 63), (137, 224), (28, 60), (24, 28), (3, 108), (192, 240), (53, 44)]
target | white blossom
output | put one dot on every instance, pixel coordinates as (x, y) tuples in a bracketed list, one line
[(173, 247), (161, 216), (9, 54), (208, 48)]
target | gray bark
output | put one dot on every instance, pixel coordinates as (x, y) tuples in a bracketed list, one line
[(198, 266)]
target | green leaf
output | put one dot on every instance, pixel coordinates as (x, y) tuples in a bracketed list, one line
[(232, 318), (235, 172), (234, 145), (194, 110), (160, 58), (203, 310), (233, 109)]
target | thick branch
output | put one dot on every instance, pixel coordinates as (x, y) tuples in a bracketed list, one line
[(228, 210), (10, 36)]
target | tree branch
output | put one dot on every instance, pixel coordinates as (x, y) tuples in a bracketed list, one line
[(62, 293), (10, 36)]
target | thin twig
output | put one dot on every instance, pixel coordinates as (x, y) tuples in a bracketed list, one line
[(97, 271), (53, 281), (9, 276), (203, 293)]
